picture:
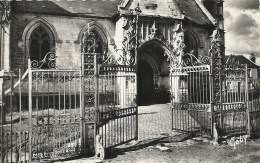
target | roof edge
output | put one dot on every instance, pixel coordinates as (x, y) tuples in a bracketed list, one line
[(122, 9), (243, 57), (251, 61), (206, 12), (124, 3)]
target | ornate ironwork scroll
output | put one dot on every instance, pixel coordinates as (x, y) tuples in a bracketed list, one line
[(89, 85), (88, 43), (91, 54), (189, 59), (127, 55), (177, 57), (48, 62), (216, 66), (180, 59)]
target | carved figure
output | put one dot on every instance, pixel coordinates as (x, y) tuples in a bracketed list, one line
[(178, 46), (232, 142), (99, 149), (215, 35), (215, 134)]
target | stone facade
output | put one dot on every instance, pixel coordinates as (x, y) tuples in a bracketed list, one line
[(67, 33), (66, 23)]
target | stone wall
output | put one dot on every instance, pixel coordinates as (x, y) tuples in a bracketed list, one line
[(203, 37), (67, 45), (68, 49)]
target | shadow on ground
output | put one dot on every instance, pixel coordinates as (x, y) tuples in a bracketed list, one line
[(135, 146)]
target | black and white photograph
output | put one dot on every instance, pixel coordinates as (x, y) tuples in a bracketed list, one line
[(129, 81)]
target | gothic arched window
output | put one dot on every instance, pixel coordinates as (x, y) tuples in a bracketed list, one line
[(191, 44), (40, 43)]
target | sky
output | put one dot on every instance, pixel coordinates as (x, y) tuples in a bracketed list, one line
[(242, 26)]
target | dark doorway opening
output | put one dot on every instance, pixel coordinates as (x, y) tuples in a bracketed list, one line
[(145, 84)]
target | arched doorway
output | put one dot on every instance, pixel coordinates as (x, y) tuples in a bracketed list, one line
[(145, 83), (153, 71)]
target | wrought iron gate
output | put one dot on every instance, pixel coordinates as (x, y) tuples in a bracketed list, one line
[(208, 90), (254, 106), (234, 114), (109, 92), (41, 117), (55, 115), (190, 88), (109, 101), (117, 109)]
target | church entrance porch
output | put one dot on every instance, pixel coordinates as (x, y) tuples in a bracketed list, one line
[(145, 83), (153, 74)]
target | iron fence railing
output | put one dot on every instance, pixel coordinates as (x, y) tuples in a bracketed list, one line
[(117, 115), (40, 115), (190, 91), (254, 106)]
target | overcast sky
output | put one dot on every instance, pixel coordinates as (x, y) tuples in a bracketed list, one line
[(242, 25)]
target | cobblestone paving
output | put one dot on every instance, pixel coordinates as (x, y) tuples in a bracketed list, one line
[(154, 121)]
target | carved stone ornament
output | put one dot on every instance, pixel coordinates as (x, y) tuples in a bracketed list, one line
[(5, 12), (126, 55), (177, 47), (180, 59), (215, 48), (153, 31)]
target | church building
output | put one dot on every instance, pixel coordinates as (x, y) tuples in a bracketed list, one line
[(31, 29)]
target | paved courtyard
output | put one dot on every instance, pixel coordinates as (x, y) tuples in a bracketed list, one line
[(154, 121)]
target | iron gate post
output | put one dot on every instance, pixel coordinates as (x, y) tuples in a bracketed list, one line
[(20, 110), (82, 106), (88, 124), (30, 109), (221, 92), (2, 125), (11, 110), (211, 97), (138, 11), (96, 82), (216, 73)]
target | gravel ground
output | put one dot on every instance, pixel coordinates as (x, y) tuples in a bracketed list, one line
[(189, 150), (158, 143), (180, 149)]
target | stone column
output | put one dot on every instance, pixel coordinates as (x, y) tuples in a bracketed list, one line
[(4, 50), (174, 82), (3, 76), (5, 47), (5, 61)]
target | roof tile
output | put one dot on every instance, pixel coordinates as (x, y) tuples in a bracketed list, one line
[(99, 8), (193, 12)]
